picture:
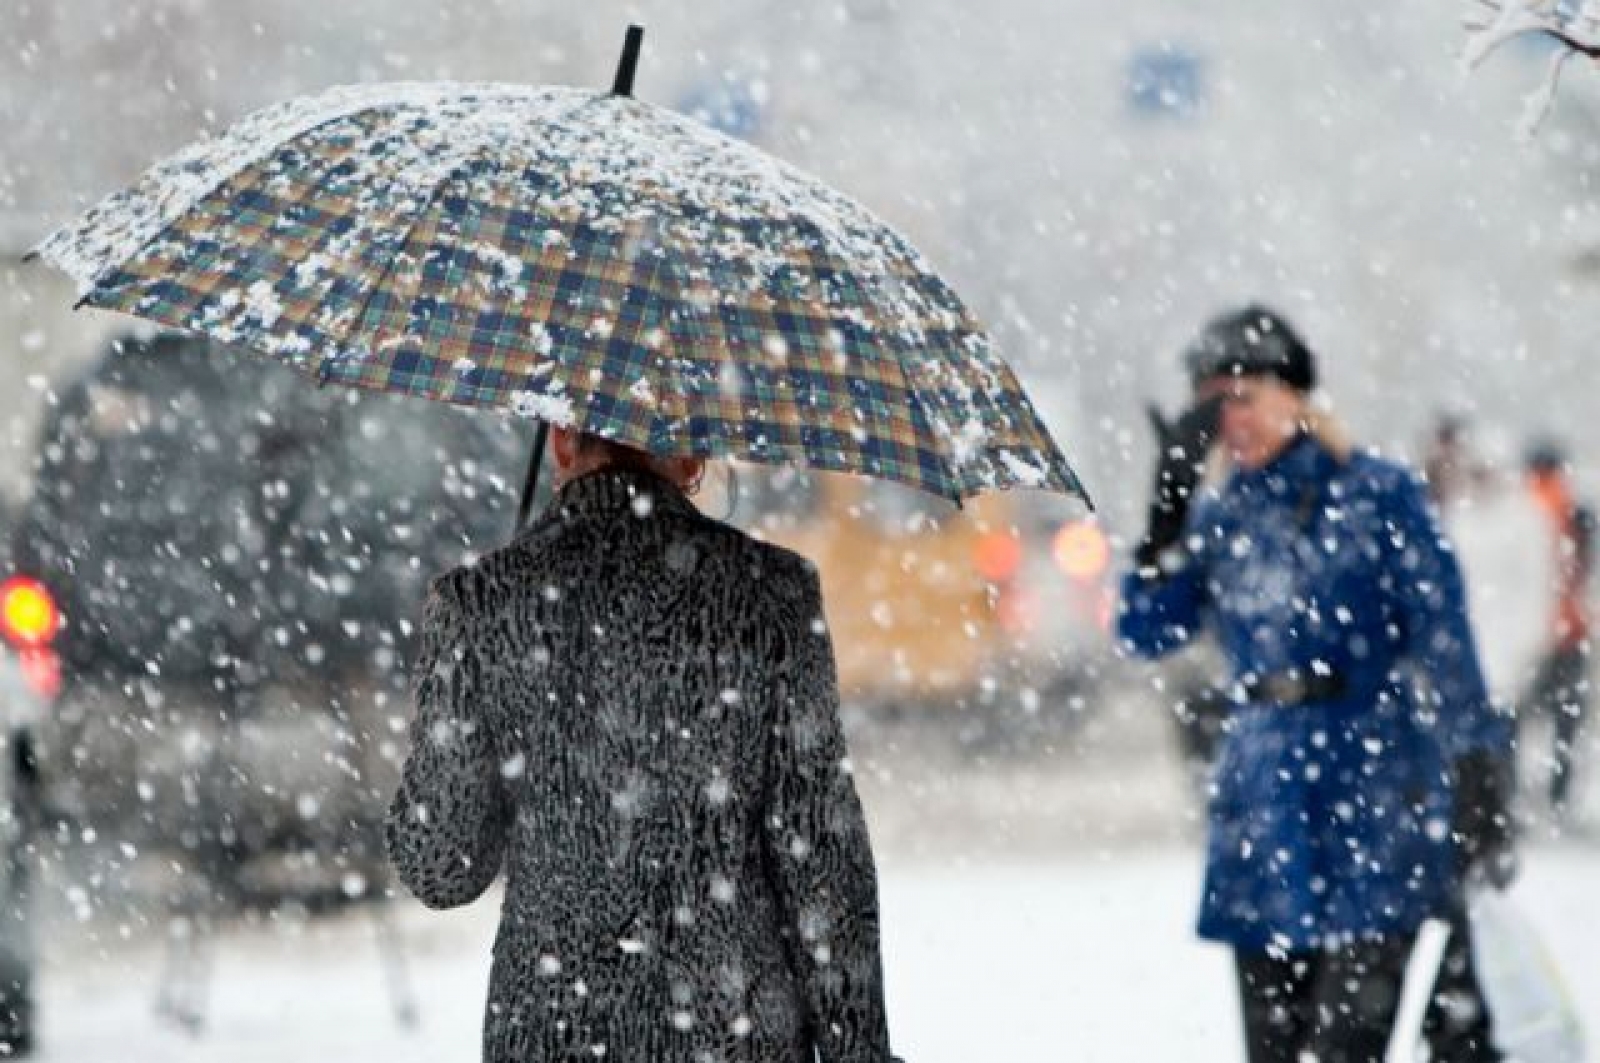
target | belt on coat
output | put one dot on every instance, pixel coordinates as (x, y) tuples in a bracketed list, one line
[(1288, 689)]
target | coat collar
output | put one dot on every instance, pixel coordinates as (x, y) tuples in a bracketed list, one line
[(1303, 460), (617, 490)]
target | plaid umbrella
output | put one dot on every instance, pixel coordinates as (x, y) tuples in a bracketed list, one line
[(580, 257)]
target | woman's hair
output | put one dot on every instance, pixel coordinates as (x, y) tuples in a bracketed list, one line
[(588, 442), (616, 453), (621, 455), (1328, 430)]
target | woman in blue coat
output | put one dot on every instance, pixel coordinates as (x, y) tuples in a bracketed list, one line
[(1364, 772)]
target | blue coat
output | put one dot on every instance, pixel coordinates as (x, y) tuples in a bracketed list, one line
[(1329, 820)]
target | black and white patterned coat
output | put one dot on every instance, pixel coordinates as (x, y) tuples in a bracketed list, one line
[(633, 709)]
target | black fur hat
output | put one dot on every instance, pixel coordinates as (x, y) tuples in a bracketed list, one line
[(1251, 341)]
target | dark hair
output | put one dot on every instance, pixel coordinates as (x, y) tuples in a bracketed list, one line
[(618, 455), (1449, 427), (1545, 455), (586, 442), (1251, 341)]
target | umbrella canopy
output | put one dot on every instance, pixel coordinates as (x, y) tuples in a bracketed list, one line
[(581, 257)]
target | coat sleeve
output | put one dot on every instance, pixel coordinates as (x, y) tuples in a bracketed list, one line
[(1438, 631), (1162, 610), (447, 825), (818, 850)]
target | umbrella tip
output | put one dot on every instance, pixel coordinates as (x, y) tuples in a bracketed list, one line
[(623, 85)]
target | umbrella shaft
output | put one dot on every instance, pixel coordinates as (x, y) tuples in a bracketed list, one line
[(530, 483), (623, 85)]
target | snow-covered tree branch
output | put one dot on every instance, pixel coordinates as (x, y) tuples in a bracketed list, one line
[(1576, 26)]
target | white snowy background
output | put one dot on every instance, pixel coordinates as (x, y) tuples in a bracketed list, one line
[(1333, 159)]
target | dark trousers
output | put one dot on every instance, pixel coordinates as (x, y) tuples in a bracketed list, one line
[(1339, 1007), (16, 905), (1560, 690)]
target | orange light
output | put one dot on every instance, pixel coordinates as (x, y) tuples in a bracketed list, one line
[(1081, 550), (996, 556), (27, 612)]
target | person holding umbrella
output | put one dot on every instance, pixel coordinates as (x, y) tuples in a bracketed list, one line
[(1365, 775), (632, 707)]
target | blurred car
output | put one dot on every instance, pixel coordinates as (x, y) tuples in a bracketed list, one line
[(29, 679), (237, 558), (1002, 606), (1052, 571)]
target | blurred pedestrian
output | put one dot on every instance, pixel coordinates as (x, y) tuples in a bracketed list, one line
[(1561, 680), (1449, 467), (1490, 519), (633, 708), (1365, 774), (18, 939)]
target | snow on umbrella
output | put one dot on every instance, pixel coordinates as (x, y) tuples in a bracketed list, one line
[(580, 257)]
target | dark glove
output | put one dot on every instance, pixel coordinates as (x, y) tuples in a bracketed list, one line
[(1182, 445), (1482, 829)]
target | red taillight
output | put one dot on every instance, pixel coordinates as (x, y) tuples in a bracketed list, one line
[(28, 615), (1081, 550), (996, 556), (41, 668)]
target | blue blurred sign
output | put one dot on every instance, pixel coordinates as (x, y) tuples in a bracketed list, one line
[(728, 105), (1165, 81)]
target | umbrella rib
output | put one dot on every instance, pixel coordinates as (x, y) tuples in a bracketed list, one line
[(311, 196), (480, 153), (677, 296), (319, 371), (166, 230), (357, 320), (251, 159)]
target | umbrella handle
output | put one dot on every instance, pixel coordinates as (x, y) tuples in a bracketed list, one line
[(530, 482), (623, 85)]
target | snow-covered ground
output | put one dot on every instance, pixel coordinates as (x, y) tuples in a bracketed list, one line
[(1035, 909), (1073, 959)]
